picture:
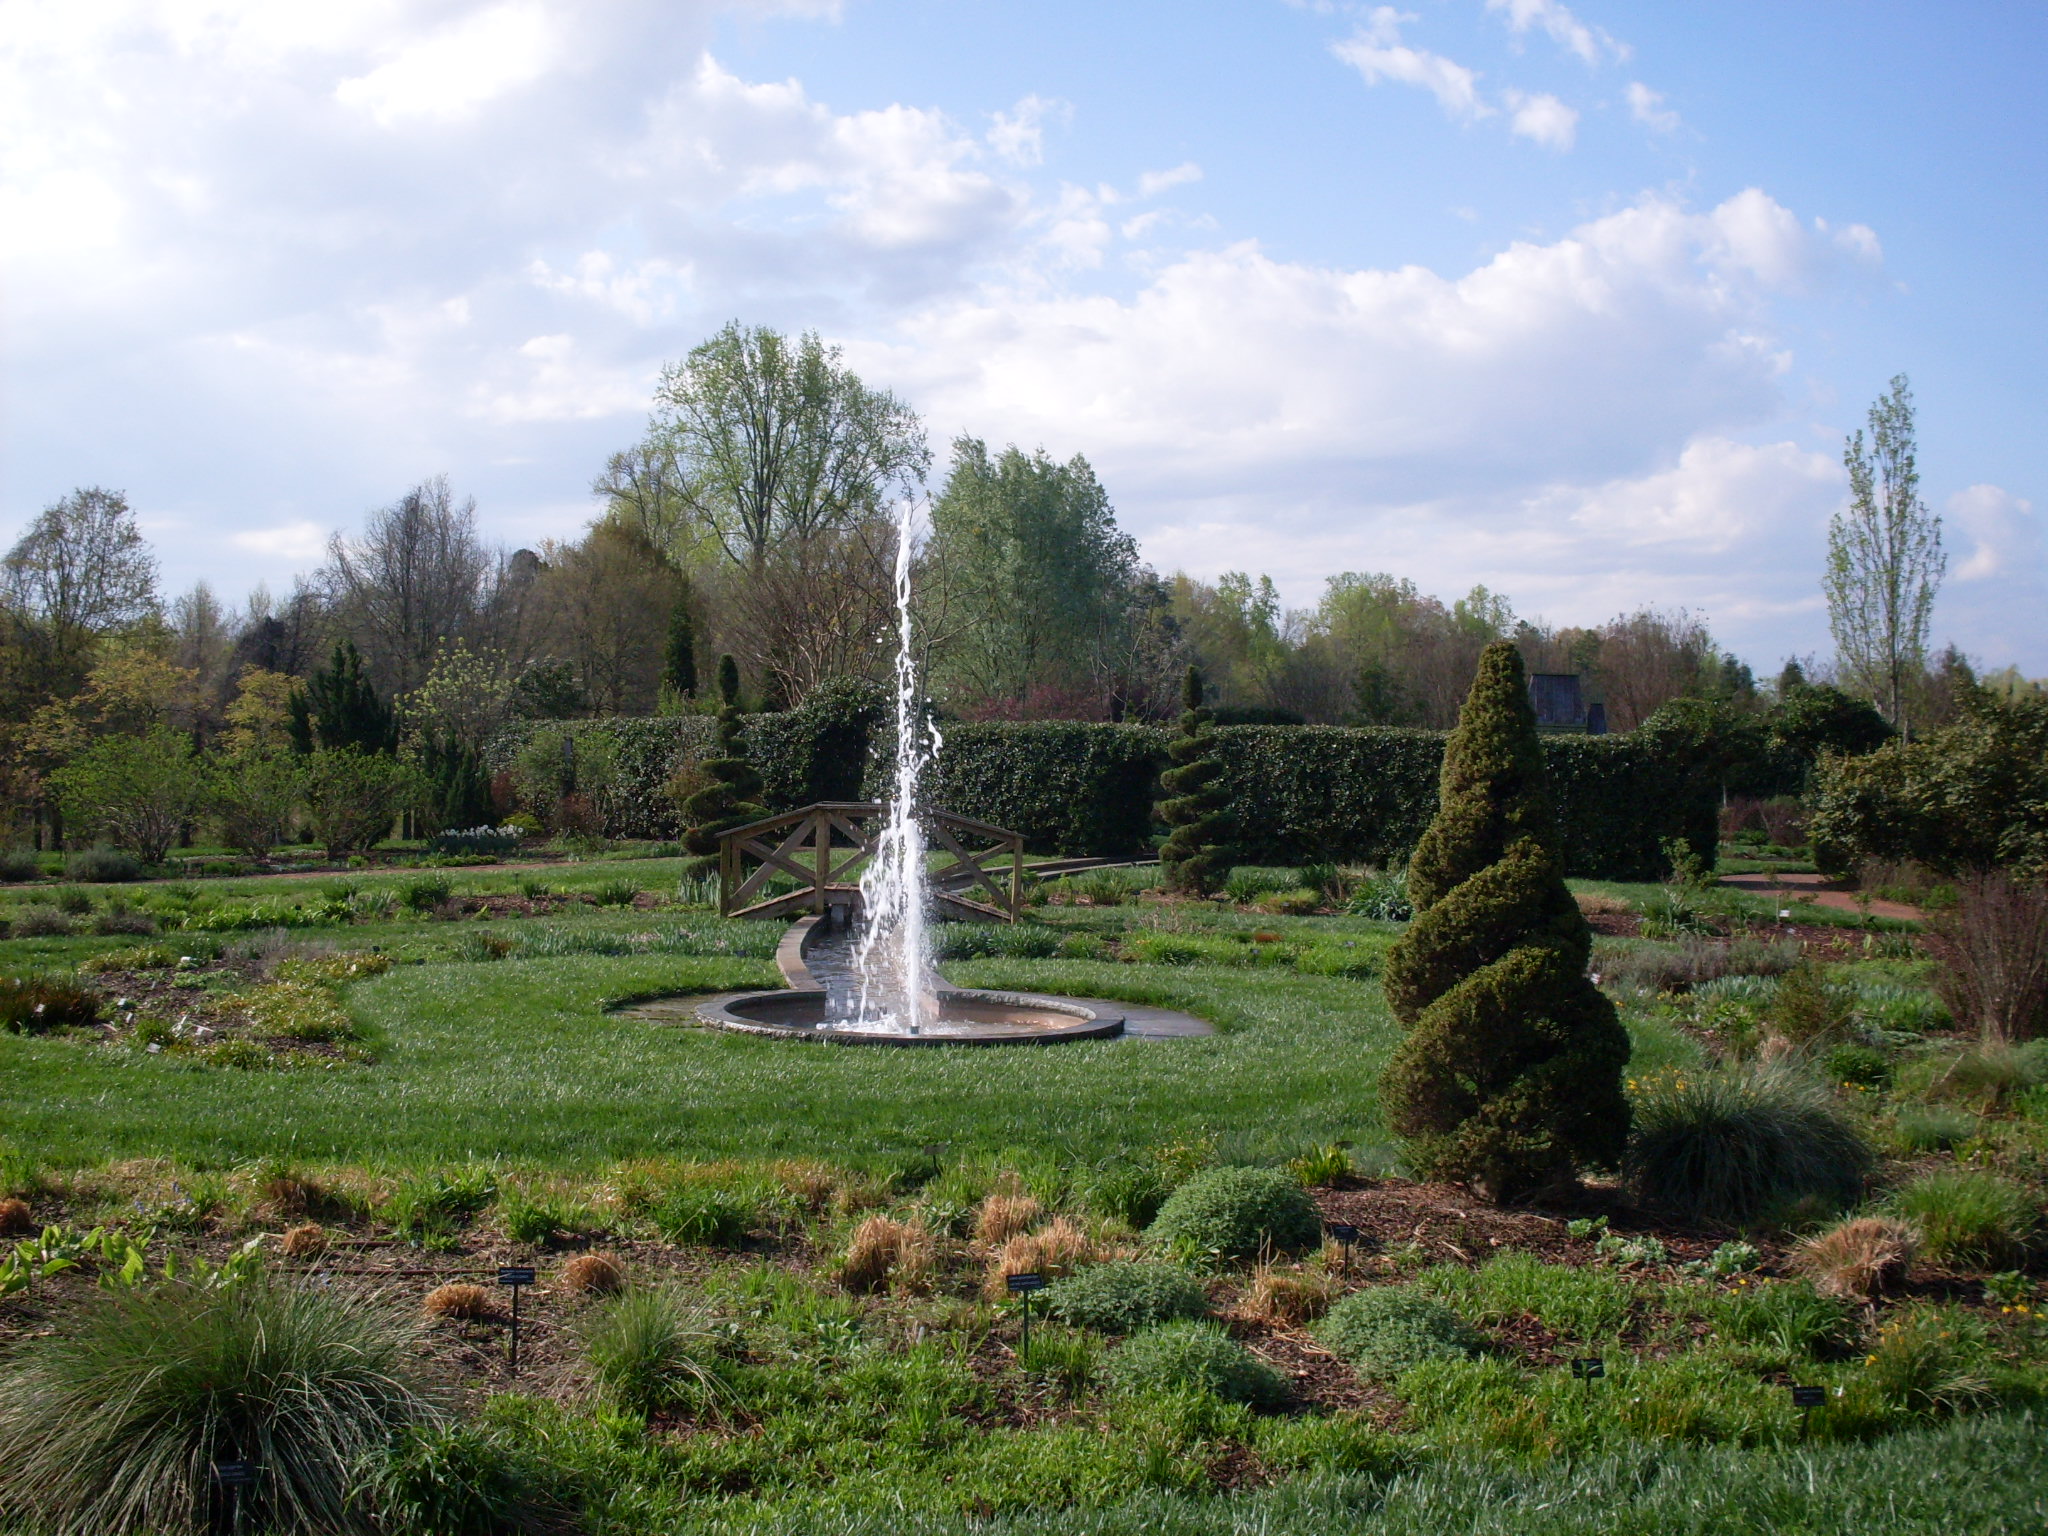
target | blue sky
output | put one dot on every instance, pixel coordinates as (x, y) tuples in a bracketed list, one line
[(1575, 301)]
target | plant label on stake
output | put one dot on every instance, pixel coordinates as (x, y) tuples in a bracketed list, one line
[(1346, 1234), (1809, 1397), (1589, 1370), (1022, 1286), (517, 1276), (234, 1476)]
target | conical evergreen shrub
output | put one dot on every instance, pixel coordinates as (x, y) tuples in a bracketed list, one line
[(728, 800), (1193, 853), (1510, 1077)]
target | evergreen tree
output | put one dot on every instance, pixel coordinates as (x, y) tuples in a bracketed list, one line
[(679, 652), (1510, 1077), (458, 788), (727, 801), (343, 708), (1192, 857)]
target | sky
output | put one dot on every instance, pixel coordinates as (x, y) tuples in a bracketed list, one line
[(1578, 303)]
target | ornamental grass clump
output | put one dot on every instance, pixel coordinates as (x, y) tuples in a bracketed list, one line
[(1859, 1259), (1510, 1076), (1236, 1213), (112, 1423), (1970, 1218), (1191, 859), (1383, 1331), (1738, 1144), (646, 1349), (1127, 1295)]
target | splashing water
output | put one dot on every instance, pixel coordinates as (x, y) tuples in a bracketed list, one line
[(898, 988)]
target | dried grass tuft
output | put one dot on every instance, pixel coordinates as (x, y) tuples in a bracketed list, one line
[(887, 1253), (591, 1274), (1288, 1297), (459, 1299), (1060, 1248), (1859, 1259), (15, 1217), (1002, 1216), (306, 1241)]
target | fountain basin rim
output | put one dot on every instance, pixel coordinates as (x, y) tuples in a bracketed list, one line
[(755, 1013)]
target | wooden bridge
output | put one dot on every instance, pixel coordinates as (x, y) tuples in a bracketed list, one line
[(823, 848)]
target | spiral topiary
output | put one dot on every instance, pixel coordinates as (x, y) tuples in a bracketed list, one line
[(1192, 855), (1510, 1077), (728, 800)]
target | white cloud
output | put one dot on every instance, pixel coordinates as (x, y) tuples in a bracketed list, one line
[(300, 541), (545, 379), (1377, 52), (1544, 119), (2003, 532), (460, 68), (1647, 107), (1719, 496), (1019, 134), (1566, 30)]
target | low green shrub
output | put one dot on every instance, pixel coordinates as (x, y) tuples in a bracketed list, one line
[(1969, 1217), (1383, 897), (39, 920), (71, 901), (1014, 941), (647, 1349), (17, 864), (463, 1480), (1928, 1362), (1736, 1144), (118, 919), (1194, 1357), (1131, 1192), (494, 842), (1987, 1076), (423, 893), (102, 866), (616, 892), (1810, 1005), (1236, 1213), (1124, 1297), (1855, 1065), (1383, 1331), (33, 1005), (113, 1422)]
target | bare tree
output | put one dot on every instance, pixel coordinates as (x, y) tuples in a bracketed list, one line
[(817, 607), (81, 570), (414, 579), (1648, 658), (604, 606), (646, 491)]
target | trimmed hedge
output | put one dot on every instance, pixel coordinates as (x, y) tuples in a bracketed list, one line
[(1299, 793)]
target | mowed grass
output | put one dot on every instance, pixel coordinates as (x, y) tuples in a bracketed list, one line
[(523, 1060)]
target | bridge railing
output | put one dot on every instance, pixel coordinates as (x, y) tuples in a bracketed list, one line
[(823, 847)]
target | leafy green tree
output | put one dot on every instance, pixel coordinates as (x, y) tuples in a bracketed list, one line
[(353, 797), (338, 710), (679, 652), (547, 690), (136, 791), (254, 795), (1884, 559), (1510, 1076), (1193, 855), (726, 799), (1037, 578), (1966, 797), (81, 571), (767, 440)]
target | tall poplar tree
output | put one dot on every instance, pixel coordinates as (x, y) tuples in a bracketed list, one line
[(1885, 559)]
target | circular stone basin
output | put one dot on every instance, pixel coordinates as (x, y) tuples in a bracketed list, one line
[(965, 1018)]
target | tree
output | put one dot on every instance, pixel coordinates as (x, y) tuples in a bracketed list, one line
[(137, 791), (1038, 573), (772, 440), (726, 799), (82, 570), (1885, 559), (679, 652), (413, 581), (1510, 1077), (354, 796), (595, 598), (1193, 853), (339, 710), (254, 793)]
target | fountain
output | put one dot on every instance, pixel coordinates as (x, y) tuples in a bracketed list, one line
[(886, 991)]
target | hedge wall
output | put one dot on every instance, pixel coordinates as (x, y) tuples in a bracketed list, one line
[(1300, 793)]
